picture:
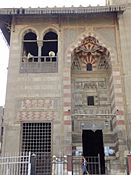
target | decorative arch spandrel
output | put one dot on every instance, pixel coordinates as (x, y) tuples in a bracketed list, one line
[(99, 38), (90, 51)]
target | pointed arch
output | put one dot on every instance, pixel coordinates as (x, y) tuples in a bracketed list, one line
[(27, 30), (102, 42), (49, 29), (90, 51)]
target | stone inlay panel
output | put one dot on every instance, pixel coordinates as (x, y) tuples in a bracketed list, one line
[(46, 103), (36, 115), (37, 109)]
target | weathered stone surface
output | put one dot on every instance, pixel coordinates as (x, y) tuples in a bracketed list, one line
[(60, 97)]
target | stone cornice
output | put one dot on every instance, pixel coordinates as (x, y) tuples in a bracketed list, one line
[(62, 10)]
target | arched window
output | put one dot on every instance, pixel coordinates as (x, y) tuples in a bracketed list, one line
[(30, 48), (39, 56), (89, 67), (50, 44)]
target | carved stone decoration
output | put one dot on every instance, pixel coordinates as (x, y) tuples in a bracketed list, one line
[(76, 63), (36, 115), (89, 110), (46, 103), (90, 51), (101, 84), (92, 125), (90, 85), (103, 64), (34, 109), (84, 85)]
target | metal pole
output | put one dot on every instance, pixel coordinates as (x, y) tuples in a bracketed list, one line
[(33, 164), (7, 172), (99, 164), (29, 164)]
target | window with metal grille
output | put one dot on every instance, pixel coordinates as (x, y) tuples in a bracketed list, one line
[(36, 137), (90, 100)]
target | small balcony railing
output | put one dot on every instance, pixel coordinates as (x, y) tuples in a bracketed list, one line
[(43, 64)]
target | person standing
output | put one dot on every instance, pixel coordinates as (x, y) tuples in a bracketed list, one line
[(84, 166)]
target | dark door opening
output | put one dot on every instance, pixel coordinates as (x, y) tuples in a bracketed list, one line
[(92, 147)]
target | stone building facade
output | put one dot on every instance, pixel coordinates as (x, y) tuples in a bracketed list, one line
[(68, 87)]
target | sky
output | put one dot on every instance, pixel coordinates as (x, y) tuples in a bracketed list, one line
[(4, 48), (44, 3)]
